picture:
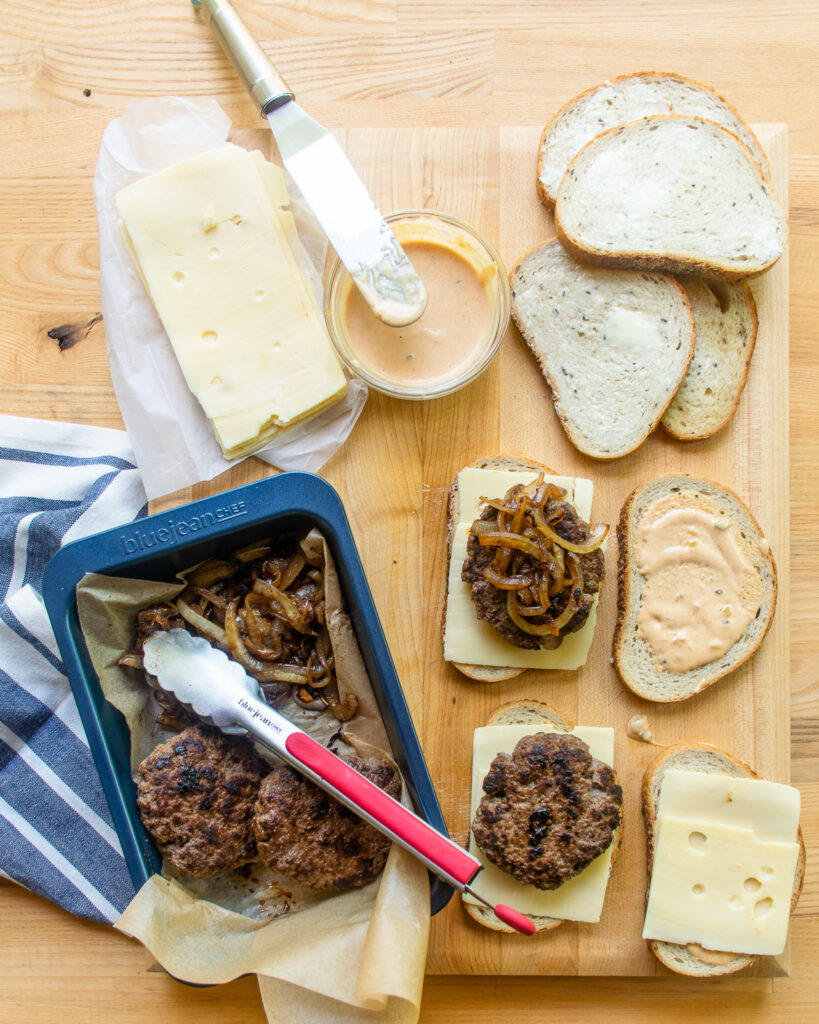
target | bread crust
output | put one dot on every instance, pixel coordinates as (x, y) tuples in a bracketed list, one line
[(506, 714), (649, 808), (625, 597), (549, 200), (669, 263), (741, 387), (564, 419), (482, 673)]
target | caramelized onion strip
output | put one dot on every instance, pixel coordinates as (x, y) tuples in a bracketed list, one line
[(506, 582), (511, 540), (532, 628), (199, 622), (286, 607), (596, 538), (211, 572), (261, 671)]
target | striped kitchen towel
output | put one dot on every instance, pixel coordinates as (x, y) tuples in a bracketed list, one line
[(58, 482)]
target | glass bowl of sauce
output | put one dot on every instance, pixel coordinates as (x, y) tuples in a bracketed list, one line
[(456, 337)]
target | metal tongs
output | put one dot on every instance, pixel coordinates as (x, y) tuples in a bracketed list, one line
[(219, 691)]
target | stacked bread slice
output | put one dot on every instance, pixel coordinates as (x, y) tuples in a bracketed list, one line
[(648, 175)]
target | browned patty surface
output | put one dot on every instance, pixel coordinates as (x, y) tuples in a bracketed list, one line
[(490, 602), (196, 794), (310, 837), (550, 809)]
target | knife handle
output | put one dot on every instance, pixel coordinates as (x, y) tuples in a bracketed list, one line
[(391, 817), (264, 83)]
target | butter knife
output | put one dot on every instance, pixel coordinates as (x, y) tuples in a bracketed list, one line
[(325, 177)]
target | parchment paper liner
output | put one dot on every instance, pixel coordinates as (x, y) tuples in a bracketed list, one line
[(355, 956)]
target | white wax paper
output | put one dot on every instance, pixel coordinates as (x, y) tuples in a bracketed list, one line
[(172, 440)]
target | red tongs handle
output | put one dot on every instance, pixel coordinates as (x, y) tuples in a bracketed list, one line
[(441, 854)]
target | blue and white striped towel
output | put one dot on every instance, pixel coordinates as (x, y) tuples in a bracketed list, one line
[(58, 482)]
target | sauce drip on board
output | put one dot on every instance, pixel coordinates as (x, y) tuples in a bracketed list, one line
[(448, 337)]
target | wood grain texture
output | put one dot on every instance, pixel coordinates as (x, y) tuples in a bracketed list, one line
[(487, 75)]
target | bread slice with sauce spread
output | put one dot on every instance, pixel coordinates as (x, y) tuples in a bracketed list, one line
[(677, 194), (684, 959), (632, 654), (537, 714), (630, 98)]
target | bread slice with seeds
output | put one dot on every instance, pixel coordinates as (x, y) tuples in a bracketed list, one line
[(725, 323), (679, 194), (614, 345), (630, 98)]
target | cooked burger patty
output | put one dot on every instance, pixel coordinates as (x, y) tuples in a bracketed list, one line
[(490, 601), (310, 837), (550, 809), (196, 795)]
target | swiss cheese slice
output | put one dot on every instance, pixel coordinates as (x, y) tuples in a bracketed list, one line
[(721, 887), (579, 899), (769, 809), (469, 640), (219, 255)]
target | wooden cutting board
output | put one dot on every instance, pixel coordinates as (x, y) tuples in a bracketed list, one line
[(394, 474)]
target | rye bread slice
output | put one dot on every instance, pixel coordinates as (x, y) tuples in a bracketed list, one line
[(679, 194), (614, 345), (534, 713), (632, 656), (698, 758), (725, 322), (630, 98)]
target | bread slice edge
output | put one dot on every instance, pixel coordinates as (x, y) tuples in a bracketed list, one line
[(753, 320)]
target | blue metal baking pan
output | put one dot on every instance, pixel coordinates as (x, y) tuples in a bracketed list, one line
[(157, 548)]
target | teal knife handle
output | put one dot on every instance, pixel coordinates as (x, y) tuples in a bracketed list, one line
[(264, 83)]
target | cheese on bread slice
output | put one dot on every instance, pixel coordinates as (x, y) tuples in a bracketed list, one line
[(580, 898), (471, 641)]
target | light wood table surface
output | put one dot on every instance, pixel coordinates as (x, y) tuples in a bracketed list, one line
[(66, 69)]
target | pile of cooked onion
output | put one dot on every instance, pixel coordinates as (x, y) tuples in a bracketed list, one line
[(265, 606), (533, 563)]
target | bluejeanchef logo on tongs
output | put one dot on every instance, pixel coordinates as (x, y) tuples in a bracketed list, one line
[(256, 713), (173, 530)]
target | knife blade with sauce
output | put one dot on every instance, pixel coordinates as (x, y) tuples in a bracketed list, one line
[(325, 177)]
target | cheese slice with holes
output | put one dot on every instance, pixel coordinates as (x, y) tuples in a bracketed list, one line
[(469, 640), (721, 887), (769, 809), (579, 899), (218, 252)]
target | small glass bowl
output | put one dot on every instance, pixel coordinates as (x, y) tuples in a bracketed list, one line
[(448, 232)]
